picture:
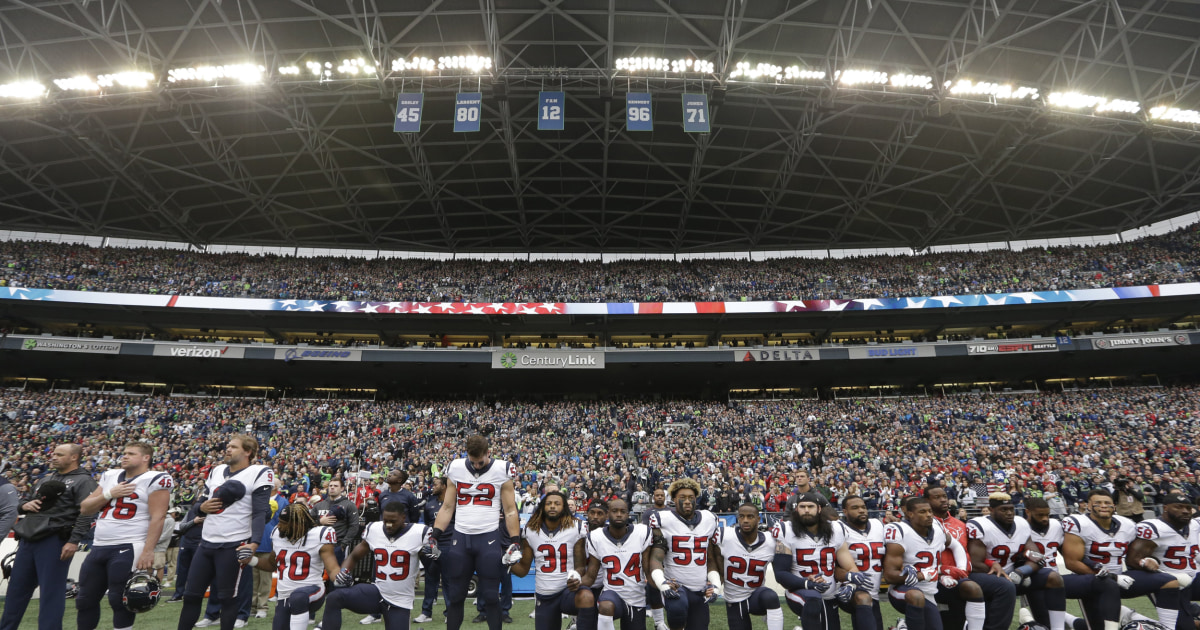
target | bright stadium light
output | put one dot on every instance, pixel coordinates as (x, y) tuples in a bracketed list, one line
[(473, 63), (650, 64), (861, 77), (80, 83), (998, 91), (125, 79), (912, 81), (356, 67), (1120, 106), (795, 72), (242, 73), (1174, 114), (289, 71), (762, 70), (1101, 104), (400, 64), (679, 66), (26, 90)]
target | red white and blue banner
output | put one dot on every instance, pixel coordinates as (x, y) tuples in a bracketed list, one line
[(602, 308)]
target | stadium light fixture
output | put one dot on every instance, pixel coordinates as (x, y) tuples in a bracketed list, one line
[(473, 63), (762, 70), (1120, 106), (1100, 104), (289, 71), (79, 83), (998, 91), (660, 64), (125, 79), (852, 78), (425, 64), (1174, 114), (242, 73), (356, 66), (24, 90), (902, 80), (796, 73)]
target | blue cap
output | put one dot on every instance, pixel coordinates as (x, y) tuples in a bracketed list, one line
[(229, 492)]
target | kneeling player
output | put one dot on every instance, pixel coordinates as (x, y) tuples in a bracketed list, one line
[(913, 567), (808, 548), (557, 541), (1170, 545), (296, 542), (394, 543), (1004, 539), (742, 555), (620, 550), (677, 561), (864, 540)]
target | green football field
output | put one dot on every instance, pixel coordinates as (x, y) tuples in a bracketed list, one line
[(166, 616)]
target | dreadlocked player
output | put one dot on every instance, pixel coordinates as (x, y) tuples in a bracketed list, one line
[(296, 542), (558, 543), (681, 576)]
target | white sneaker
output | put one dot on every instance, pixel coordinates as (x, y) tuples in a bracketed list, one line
[(1126, 615), (240, 623), (1024, 616), (262, 614), (533, 614), (370, 619), (206, 622), (662, 625), (422, 618), (901, 625)]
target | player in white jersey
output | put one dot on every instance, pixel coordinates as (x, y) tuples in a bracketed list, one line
[(742, 555), (679, 559), (555, 542), (616, 557), (1171, 545), (299, 549), (237, 502), (482, 504), (131, 514), (913, 567), (1046, 538), (1004, 540), (1094, 545), (810, 557), (396, 546), (864, 540)]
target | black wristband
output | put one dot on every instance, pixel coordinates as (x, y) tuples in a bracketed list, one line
[(437, 533)]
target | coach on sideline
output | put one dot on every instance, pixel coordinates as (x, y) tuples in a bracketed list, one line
[(50, 535)]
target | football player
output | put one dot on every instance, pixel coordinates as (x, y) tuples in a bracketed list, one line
[(1171, 545), (679, 559), (999, 594), (616, 555), (742, 555), (482, 503), (912, 566), (132, 502), (864, 540), (810, 555), (557, 543), (298, 544)]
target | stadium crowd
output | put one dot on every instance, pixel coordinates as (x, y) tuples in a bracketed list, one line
[(1168, 258), (1053, 445)]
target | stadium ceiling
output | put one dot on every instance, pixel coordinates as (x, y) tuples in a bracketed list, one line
[(313, 162)]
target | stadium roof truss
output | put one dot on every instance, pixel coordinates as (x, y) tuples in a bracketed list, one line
[(313, 161)]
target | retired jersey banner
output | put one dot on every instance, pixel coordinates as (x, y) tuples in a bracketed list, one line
[(638, 114), (468, 106), (408, 112), (551, 111), (695, 113)]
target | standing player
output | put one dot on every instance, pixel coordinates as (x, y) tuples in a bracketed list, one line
[(620, 550), (1004, 539), (742, 555), (1096, 544), (433, 568), (808, 548), (238, 505), (684, 532), (132, 511), (653, 596), (1171, 545), (481, 501), (558, 543), (393, 542), (999, 594), (297, 544), (864, 540), (913, 567)]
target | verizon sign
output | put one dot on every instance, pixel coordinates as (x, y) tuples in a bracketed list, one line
[(1148, 341), (200, 351)]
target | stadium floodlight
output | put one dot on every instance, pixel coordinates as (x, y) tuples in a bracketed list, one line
[(861, 77), (125, 79), (474, 63), (795, 72), (289, 71), (400, 64), (1119, 106), (679, 66), (912, 81), (26, 90), (1174, 114), (998, 91), (80, 83), (242, 73), (356, 66), (767, 70), (638, 64), (1074, 100)]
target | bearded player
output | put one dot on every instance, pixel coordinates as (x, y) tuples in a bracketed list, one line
[(132, 501), (810, 556), (482, 503), (1170, 545), (556, 542), (679, 559)]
